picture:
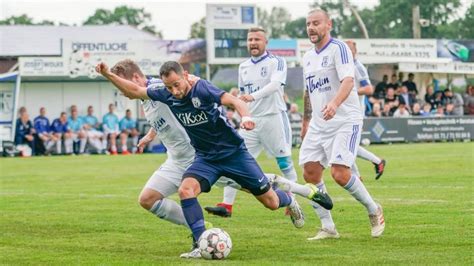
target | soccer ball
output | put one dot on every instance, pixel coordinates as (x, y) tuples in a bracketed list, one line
[(365, 142), (215, 244)]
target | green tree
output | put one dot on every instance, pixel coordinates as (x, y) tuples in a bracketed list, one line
[(24, 20), (274, 22), (296, 28), (198, 29), (124, 15)]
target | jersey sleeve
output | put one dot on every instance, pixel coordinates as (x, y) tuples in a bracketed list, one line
[(361, 75), (209, 91), (279, 70), (157, 94), (344, 61)]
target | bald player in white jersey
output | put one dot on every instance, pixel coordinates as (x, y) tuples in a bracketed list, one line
[(364, 89), (332, 121), (262, 78)]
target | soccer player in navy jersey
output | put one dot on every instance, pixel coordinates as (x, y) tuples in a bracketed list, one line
[(220, 151)]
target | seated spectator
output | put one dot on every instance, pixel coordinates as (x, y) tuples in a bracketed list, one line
[(416, 110), (449, 109), (376, 112), (110, 124), (94, 134), (426, 110), (45, 139), (411, 85), (469, 100), (296, 119), (24, 132), (393, 83), (60, 130), (439, 111), (456, 100), (391, 100), (406, 98), (128, 127), (380, 88), (387, 111), (78, 134), (402, 111), (430, 95)]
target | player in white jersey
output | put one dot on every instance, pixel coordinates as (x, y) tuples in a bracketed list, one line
[(364, 89), (261, 81), (332, 121)]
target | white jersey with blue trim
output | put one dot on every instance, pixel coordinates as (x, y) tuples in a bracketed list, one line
[(168, 129), (323, 72), (254, 74), (361, 80)]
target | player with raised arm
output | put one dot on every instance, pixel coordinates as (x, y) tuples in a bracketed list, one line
[(364, 89), (219, 149), (261, 81), (332, 121)]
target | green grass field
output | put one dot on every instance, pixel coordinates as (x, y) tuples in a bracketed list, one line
[(84, 210)]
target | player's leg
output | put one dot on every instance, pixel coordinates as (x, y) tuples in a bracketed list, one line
[(313, 158), (279, 144), (123, 142), (82, 141), (344, 150), (113, 142), (134, 134), (68, 143), (379, 163), (57, 138)]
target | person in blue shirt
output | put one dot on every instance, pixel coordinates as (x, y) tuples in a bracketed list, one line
[(128, 127), (24, 130), (61, 131), (76, 126), (220, 151), (94, 134), (110, 124), (43, 131)]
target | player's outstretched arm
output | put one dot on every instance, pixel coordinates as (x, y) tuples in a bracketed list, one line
[(329, 111), (267, 90), (241, 108), (307, 113), (128, 88)]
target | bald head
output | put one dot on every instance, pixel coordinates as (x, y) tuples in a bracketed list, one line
[(318, 26), (319, 11)]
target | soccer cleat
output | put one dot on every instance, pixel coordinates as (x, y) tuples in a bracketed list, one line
[(195, 253), (325, 233), (296, 214), (320, 197), (221, 209), (377, 221), (113, 153), (126, 153), (379, 168)]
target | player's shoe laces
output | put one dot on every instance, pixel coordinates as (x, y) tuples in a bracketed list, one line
[(377, 221), (221, 209), (379, 168), (325, 233), (296, 214), (320, 197), (195, 253)]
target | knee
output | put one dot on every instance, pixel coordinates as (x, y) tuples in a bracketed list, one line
[(147, 200), (272, 204), (340, 174), (186, 192), (312, 175)]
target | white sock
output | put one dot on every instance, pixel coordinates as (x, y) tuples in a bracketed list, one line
[(58, 146), (135, 141), (97, 144), (169, 210), (82, 147), (324, 215), (68, 145), (229, 195), (367, 155), (289, 186), (104, 143), (49, 145), (360, 193), (124, 148)]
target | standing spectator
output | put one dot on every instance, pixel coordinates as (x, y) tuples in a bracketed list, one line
[(407, 98), (61, 131), (45, 139), (430, 95), (411, 85), (24, 130), (456, 100), (393, 83), (110, 124), (94, 134), (401, 111), (128, 127), (380, 88), (400, 79), (78, 134), (469, 100), (416, 110), (296, 119)]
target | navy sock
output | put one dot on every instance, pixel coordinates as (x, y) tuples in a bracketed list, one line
[(284, 198), (193, 214)]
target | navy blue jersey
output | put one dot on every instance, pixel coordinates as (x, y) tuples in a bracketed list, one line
[(58, 127), (211, 135)]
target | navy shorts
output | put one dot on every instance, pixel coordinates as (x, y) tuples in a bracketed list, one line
[(240, 167)]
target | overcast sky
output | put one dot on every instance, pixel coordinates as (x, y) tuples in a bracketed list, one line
[(172, 18)]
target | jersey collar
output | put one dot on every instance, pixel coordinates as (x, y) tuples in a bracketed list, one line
[(256, 60), (322, 49)]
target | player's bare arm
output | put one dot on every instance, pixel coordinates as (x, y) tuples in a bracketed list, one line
[(269, 89), (241, 108), (307, 113), (149, 137), (366, 90), (330, 109), (128, 88)]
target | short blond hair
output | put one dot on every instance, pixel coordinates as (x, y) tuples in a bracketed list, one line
[(126, 68)]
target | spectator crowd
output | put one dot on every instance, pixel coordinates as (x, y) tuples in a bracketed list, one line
[(399, 98), (76, 134)]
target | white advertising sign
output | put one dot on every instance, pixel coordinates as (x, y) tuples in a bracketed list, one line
[(453, 67), (42, 66)]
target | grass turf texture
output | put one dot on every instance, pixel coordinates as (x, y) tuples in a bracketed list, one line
[(84, 210)]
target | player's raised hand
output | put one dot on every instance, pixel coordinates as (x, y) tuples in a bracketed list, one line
[(247, 123), (102, 69), (329, 111), (247, 98)]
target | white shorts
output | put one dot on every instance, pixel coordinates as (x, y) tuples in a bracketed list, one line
[(94, 133), (272, 133), (111, 131), (339, 147), (166, 179)]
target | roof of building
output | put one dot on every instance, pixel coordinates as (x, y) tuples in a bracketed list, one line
[(23, 40)]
